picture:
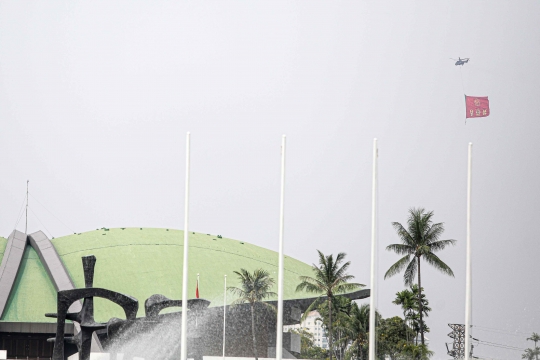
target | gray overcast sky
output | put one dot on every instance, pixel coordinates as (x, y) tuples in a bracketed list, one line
[(96, 98)]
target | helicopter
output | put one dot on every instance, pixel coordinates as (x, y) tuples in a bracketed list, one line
[(461, 61)]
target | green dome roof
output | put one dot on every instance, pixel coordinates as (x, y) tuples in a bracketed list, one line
[(141, 262)]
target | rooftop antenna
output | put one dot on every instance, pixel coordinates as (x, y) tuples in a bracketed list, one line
[(26, 223)]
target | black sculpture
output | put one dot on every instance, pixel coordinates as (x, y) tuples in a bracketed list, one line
[(155, 303), (119, 329), (85, 317)]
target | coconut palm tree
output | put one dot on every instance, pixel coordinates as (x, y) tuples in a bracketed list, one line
[(536, 338), (330, 277), (419, 241), (254, 288), (405, 298)]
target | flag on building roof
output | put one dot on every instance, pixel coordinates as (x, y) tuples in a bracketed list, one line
[(197, 290), (476, 106)]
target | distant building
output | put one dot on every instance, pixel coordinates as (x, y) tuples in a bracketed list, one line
[(313, 325)]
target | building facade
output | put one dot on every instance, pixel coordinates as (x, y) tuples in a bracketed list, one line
[(313, 325), (139, 262)]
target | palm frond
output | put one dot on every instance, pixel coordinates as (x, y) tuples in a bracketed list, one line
[(434, 232), (398, 266), (410, 272), (441, 244), (339, 272), (310, 285), (236, 291), (438, 264), (342, 288), (404, 235), (400, 249)]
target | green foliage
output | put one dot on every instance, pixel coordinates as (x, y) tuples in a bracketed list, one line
[(254, 288), (330, 278), (408, 299), (534, 337), (342, 308), (308, 349), (420, 240), (351, 333), (532, 354), (358, 334), (392, 337), (414, 352)]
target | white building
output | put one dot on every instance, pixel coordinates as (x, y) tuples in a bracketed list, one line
[(314, 327)]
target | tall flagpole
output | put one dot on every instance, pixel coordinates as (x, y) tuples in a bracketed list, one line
[(279, 329), (224, 313), (373, 291), (468, 290), (183, 344)]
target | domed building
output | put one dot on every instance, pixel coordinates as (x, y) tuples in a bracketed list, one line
[(138, 262)]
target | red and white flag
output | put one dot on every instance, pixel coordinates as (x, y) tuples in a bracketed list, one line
[(197, 289), (476, 106)]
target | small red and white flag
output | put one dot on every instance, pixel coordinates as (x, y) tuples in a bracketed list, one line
[(197, 288), (476, 106)]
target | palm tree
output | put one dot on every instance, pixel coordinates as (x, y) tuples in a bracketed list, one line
[(531, 354), (419, 240), (358, 329), (341, 318), (254, 288), (536, 338), (405, 298), (425, 303), (330, 278)]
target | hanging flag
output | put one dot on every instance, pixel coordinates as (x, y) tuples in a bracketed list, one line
[(476, 106), (197, 289)]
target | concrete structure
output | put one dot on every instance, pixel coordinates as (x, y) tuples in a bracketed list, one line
[(34, 268)]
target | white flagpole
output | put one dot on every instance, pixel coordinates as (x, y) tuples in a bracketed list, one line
[(183, 344), (224, 313), (373, 291), (279, 330), (468, 290)]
